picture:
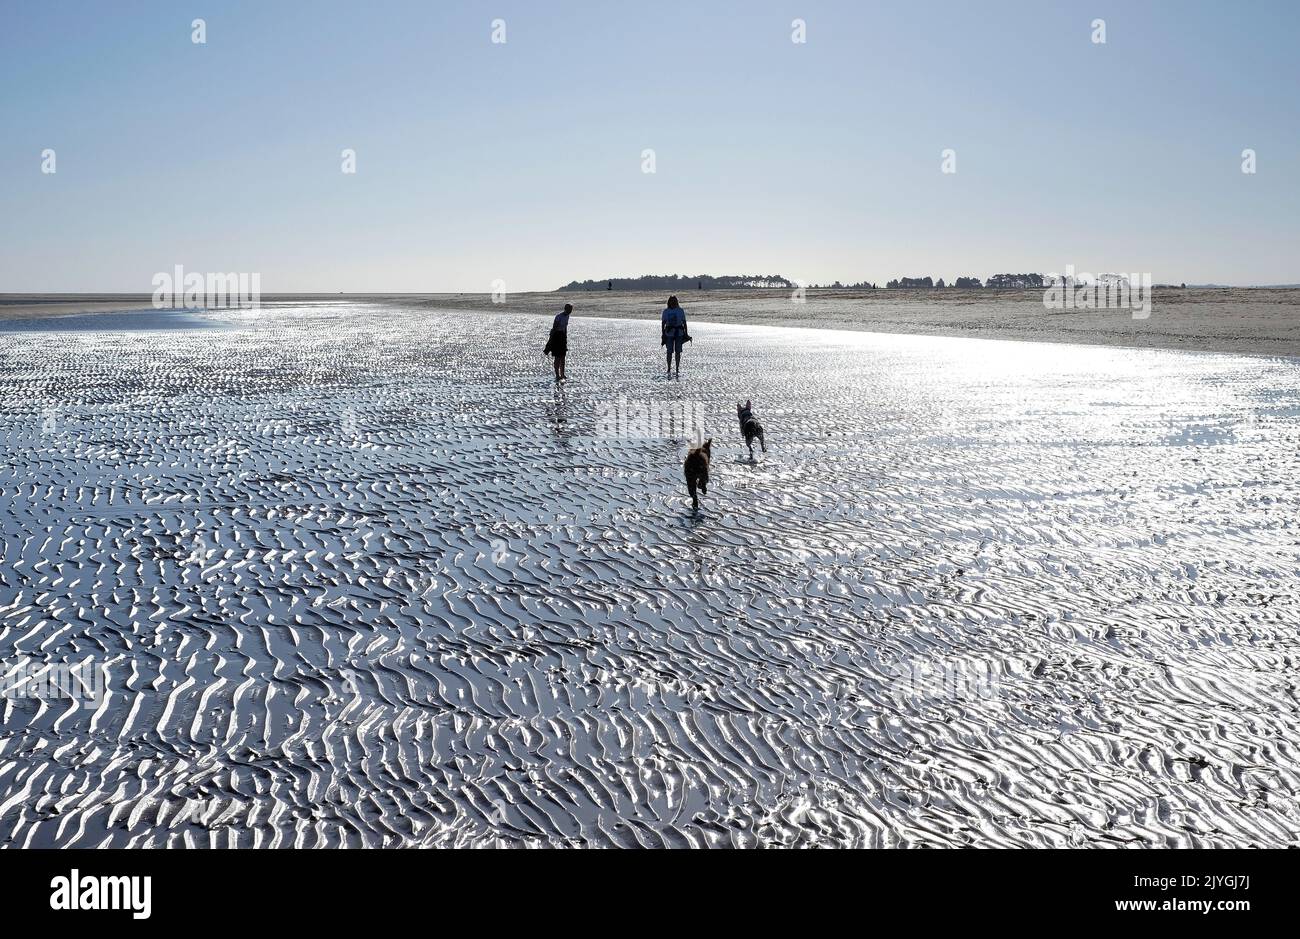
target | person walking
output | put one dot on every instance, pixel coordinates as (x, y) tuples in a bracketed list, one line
[(557, 346)]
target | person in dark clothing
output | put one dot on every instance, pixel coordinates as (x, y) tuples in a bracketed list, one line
[(557, 346), (674, 334)]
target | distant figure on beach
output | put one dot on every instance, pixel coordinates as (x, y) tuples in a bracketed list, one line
[(557, 346), (674, 335)]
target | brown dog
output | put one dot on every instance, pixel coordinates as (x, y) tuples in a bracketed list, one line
[(696, 469)]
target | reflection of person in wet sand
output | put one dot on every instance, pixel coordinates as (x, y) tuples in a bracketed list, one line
[(557, 413), (557, 346), (674, 334)]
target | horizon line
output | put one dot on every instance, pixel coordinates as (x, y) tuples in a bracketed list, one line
[(488, 293)]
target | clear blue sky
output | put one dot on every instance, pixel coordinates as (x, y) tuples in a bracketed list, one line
[(522, 161)]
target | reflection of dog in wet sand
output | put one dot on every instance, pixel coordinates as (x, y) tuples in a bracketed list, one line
[(750, 427), (696, 468)]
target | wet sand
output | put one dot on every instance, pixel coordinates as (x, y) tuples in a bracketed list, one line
[(1254, 321), (362, 575), (1244, 321)]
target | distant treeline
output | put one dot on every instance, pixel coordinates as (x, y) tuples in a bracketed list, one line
[(734, 281), (996, 281), (682, 282), (1017, 280)]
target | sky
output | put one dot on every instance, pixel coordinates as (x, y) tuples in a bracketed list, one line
[(523, 161)]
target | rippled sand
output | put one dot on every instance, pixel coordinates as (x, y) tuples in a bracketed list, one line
[(364, 576)]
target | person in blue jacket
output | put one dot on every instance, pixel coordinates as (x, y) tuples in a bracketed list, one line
[(674, 335)]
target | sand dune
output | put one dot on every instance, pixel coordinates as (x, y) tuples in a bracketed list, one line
[(362, 575)]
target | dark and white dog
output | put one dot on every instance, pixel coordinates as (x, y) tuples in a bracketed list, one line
[(750, 427)]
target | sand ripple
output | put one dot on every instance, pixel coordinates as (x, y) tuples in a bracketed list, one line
[(363, 577)]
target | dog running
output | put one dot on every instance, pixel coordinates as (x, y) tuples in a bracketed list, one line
[(696, 469), (750, 427)]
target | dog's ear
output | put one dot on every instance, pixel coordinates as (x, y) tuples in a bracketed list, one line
[(749, 404)]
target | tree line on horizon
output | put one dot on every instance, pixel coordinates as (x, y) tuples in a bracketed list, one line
[(682, 282), (760, 281), (997, 281)]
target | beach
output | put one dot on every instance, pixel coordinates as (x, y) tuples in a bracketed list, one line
[(1251, 321), (359, 573), (1254, 321)]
